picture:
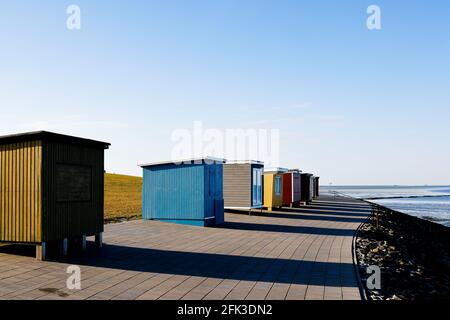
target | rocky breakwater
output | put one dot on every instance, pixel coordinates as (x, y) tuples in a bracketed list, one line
[(413, 256)]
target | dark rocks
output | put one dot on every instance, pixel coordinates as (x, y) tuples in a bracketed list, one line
[(412, 254)]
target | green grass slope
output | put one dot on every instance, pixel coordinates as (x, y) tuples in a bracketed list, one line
[(123, 197)]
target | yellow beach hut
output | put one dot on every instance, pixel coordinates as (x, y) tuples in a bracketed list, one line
[(273, 188)]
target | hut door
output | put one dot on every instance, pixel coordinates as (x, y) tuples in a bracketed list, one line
[(257, 187), (216, 186), (296, 190)]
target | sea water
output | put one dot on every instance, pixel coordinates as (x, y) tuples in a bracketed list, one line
[(426, 202)]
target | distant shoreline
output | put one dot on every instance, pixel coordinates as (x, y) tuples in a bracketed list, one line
[(370, 186), (427, 203)]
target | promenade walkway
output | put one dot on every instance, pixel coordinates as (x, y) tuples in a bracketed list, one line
[(303, 253)]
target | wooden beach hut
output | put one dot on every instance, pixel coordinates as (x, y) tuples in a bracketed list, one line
[(292, 188), (273, 188), (51, 189), (185, 192), (243, 185), (307, 192)]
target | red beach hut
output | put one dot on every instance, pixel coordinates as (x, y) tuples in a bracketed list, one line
[(291, 188)]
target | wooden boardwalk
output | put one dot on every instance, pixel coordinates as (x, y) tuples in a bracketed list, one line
[(301, 253)]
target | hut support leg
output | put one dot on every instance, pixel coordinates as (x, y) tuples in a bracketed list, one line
[(83, 243), (99, 240), (65, 245), (40, 251)]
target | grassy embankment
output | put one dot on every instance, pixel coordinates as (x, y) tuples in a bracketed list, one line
[(123, 197)]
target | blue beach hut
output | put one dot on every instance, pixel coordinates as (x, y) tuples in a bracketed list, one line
[(186, 191)]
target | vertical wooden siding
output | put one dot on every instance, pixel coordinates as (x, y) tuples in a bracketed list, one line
[(20, 192), (65, 219), (268, 190)]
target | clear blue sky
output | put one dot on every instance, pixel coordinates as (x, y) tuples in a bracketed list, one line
[(353, 105)]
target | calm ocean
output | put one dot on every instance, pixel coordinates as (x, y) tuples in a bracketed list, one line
[(430, 202)]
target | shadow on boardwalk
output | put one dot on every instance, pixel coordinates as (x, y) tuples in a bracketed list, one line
[(341, 206), (296, 215), (288, 229), (326, 211), (208, 265), (143, 247), (222, 266)]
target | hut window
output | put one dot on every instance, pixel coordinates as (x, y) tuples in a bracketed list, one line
[(73, 183), (278, 185)]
